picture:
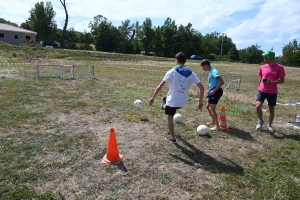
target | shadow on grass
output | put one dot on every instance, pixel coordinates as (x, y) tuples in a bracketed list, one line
[(206, 162), (122, 167), (239, 134), (281, 135)]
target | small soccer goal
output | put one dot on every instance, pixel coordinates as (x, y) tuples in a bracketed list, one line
[(230, 81), (65, 71), (48, 71), (82, 71)]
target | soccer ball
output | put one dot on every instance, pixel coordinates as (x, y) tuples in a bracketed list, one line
[(138, 103), (202, 130), (177, 118)]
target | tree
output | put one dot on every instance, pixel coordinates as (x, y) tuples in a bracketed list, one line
[(146, 35), (157, 42), (233, 54), (168, 31), (291, 54), (251, 55), (71, 38), (63, 3), (136, 42), (42, 21), (211, 45), (96, 23), (180, 40), (8, 22), (64, 31), (108, 37), (192, 40), (128, 32), (26, 25), (86, 40)]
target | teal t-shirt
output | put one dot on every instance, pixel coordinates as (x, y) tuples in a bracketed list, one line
[(212, 78)]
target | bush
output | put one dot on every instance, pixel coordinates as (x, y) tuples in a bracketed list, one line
[(212, 56)]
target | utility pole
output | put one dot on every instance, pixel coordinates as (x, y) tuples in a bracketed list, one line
[(222, 45)]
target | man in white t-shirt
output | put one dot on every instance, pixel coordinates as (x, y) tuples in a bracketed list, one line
[(180, 78)]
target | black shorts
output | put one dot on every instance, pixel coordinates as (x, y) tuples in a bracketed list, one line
[(271, 98), (171, 110), (216, 97)]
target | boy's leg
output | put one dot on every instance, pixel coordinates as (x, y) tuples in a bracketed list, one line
[(171, 126), (213, 102), (260, 98), (259, 110), (271, 118), (170, 112), (271, 114), (272, 99), (260, 115), (212, 119), (212, 109)]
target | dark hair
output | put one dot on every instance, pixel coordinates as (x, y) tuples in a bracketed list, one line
[(205, 62), (181, 57)]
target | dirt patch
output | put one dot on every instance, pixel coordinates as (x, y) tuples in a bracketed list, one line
[(73, 140), (9, 73), (142, 147)]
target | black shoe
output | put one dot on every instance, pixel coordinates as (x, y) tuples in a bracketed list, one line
[(163, 103), (173, 141)]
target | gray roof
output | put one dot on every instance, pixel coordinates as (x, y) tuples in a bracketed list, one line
[(6, 27)]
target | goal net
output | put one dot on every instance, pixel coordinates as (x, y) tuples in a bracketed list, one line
[(230, 81), (82, 71), (65, 71), (48, 71)]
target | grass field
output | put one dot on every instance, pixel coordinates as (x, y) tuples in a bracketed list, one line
[(54, 133)]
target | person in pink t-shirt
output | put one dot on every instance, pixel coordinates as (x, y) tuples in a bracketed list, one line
[(271, 74)]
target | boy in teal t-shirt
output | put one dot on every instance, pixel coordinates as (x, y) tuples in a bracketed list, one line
[(215, 92)]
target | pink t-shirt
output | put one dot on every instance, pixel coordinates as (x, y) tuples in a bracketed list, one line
[(271, 73)]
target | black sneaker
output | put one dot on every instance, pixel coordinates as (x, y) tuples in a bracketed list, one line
[(163, 103), (173, 141)]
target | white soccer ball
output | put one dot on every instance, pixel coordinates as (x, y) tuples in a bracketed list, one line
[(138, 103), (177, 118), (202, 130)]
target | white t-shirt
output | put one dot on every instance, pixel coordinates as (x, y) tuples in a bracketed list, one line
[(179, 85)]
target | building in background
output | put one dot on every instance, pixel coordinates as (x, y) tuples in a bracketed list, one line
[(15, 35)]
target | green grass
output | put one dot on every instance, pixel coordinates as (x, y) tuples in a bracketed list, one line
[(53, 134)]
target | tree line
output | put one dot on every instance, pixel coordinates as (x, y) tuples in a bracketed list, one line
[(134, 38)]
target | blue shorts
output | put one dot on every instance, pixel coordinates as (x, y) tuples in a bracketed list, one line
[(171, 110), (271, 98), (214, 99)]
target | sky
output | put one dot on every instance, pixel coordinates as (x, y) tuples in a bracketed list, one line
[(267, 23)]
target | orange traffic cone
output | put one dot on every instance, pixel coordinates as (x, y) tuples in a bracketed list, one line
[(222, 120), (112, 155)]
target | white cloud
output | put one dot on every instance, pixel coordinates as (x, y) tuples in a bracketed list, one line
[(272, 22), (82, 26)]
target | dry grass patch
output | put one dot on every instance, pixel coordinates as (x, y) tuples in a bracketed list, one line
[(54, 147)]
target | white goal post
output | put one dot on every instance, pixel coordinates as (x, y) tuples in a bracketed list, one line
[(230, 81), (64, 71), (48, 71)]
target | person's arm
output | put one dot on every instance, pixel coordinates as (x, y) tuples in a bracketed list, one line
[(221, 82), (259, 82), (157, 90), (201, 95)]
